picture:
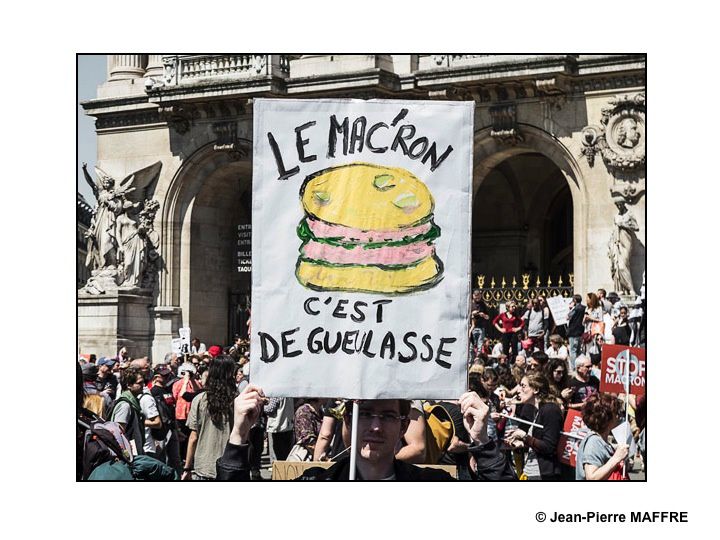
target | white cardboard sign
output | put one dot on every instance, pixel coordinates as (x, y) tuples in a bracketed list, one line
[(184, 335), (559, 307), (361, 257)]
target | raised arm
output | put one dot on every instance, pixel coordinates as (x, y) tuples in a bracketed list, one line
[(89, 180), (324, 438), (234, 463)]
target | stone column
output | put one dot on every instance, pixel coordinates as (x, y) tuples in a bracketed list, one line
[(126, 66), (154, 66)]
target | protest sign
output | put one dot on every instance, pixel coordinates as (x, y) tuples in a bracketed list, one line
[(623, 434), (361, 262), (184, 335), (568, 446), (559, 307), (177, 344), (289, 470), (615, 359)]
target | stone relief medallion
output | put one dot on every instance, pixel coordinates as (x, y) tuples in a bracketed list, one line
[(620, 137), (623, 142)]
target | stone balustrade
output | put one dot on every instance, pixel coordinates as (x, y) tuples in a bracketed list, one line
[(189, 69)]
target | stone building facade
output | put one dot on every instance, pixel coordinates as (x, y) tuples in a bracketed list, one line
[(558, 181)]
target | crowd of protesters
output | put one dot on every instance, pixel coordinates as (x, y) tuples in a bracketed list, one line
[(196, 416), (534, 370)]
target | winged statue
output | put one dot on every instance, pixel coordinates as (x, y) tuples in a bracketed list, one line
[(121, 236)]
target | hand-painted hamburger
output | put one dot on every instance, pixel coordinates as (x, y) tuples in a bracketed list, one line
[(367, 229)]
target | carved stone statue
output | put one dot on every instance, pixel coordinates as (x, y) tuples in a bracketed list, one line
[(620, 248), (121, 237)]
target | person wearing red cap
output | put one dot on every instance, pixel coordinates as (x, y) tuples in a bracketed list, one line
[(215, 350)]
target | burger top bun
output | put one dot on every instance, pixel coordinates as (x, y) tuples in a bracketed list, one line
[(367, 197)]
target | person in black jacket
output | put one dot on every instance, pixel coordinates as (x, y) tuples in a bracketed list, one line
[(575, 327), (381, 424), (540, 408)]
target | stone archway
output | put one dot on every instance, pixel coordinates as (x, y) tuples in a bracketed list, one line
[(493, 157), (200, 209)]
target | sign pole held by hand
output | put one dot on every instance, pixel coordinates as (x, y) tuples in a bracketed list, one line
[(353, 438)]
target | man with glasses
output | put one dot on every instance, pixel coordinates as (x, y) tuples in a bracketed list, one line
[(583, 384), (381, 424)]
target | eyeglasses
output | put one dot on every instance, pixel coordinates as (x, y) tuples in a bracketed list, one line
[(386, 417)]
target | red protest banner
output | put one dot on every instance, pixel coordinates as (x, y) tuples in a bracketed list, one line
[(567, 446), (615, 358)]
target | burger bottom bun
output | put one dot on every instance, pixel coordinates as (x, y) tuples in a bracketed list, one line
[(373, 279)]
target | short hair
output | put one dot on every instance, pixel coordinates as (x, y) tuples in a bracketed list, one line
[(602, 291), (168, 357), (477, 367), (581, 358), (489, 374), (540, 357), (404, 406), (476, 291), (599, 411), (577, 298), (129, 376), (556, 338)]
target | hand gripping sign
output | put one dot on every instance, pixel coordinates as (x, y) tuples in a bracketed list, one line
[(617, 360), (361, 247)]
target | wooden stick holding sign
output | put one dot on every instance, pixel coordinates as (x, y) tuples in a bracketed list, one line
[(353, 438)]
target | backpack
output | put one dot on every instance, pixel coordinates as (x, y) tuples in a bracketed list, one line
[(103, 442), (167, 417), (141, 468), (130, 425), (438, 433)]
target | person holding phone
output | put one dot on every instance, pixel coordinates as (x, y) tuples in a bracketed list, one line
[(183, 391)]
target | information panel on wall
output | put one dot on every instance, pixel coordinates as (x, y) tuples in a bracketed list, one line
[(361, 251)]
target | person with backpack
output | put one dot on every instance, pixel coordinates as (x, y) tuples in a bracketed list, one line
[(127, 410), (161, 390), (155, 431)]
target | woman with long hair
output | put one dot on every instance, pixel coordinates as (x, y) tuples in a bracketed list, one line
[(538, 406), (556, 372), (596, 458), (210, 420)]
